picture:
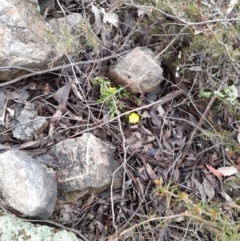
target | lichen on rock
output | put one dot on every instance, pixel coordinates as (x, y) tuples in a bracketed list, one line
[(14, 229)]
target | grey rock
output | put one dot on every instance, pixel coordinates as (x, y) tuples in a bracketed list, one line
[(153, 95), (139, 71), (71, 22), (15, 229), (24, 39), (26, 185), (87, 166), (28, 124)]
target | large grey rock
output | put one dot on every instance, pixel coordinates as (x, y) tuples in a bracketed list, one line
[(87, 166), (14, 229), (26, 185), (23, 40), (139, 71)]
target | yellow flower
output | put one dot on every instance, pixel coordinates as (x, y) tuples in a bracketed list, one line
[(133, 118), (111, 91), (157, 182)]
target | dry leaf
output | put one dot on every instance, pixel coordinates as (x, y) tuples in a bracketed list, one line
[(111, 18), (161, 111), (147, 131), (61, 95), (31, 144), (238, 136), (228, 171), (200, 188), (150, 139), (145, 114), (142, 172), (175, 176), (156, 120), (208, 188), (131, 139), (214, 171), (57, 115), (150, 172), (3, 105), (226, 197), (11, 112), (98, 21), (138, 144), (138, 135), (166, 137)]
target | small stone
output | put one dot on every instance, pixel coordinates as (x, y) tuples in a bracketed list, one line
[(87, 166), (26, 185), (28, 124), (139, 71)]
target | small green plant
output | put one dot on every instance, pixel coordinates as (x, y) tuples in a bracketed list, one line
[(228, 94), (111, 96), (204, 216), (204, 94), (224, 137)]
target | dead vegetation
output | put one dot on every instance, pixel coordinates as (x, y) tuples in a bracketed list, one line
[(188, 127)]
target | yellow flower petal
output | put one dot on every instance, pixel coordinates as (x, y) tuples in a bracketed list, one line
[(133, 118), (157, 182)]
